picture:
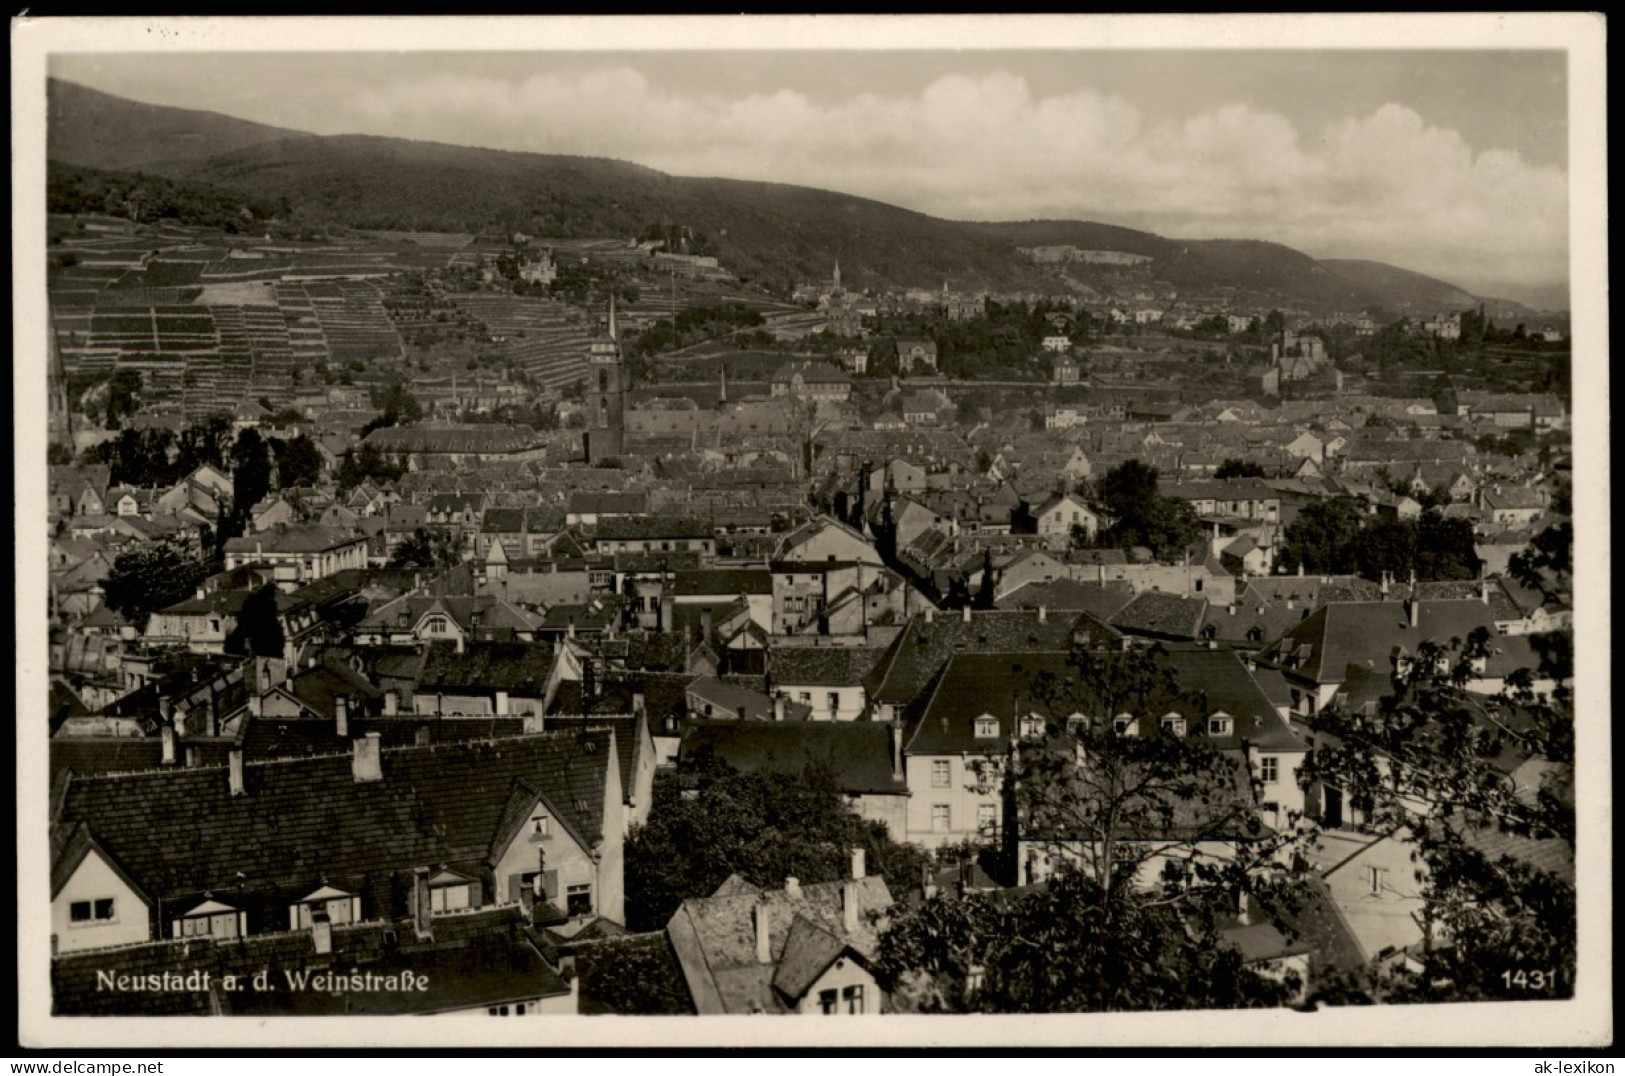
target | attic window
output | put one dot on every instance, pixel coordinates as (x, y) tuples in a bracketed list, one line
[(1032, 726), (211, 919), (1124, 725), (1219, 723), (1173, 724), (541, 827), (340, 906), (987, 727)]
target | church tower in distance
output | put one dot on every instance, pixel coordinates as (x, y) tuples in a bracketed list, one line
[(606, 394)]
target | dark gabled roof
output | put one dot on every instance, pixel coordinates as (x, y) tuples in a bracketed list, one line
[(517, 668), (628, 729), (925, 645), (1365, 633), (633, 528), (723, 581), (1099, 600), (271, 737), (822, 666), (942, 720), (809, 950), (180, 832), (857, 753), (1162, 616)]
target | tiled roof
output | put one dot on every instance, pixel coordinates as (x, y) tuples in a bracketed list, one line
[(1099, 600), (180, 832), (715, 938), (634, 975), (942, 720), (925, 645), (1365, 633), (724, 581), (1165, 616), (629, 528), (858, 753), (822, 666), (665, 696), (301, 539), (628, 729), (518, 668)]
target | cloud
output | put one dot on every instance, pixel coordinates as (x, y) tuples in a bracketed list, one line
[(1386, 185)]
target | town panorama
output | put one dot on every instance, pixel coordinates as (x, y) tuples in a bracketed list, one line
[(655, 596)]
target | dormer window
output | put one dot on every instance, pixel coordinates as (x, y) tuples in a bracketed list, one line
[(1032, 726), (449, 892), (1220, 723), (211, 919), (1076, 724), (340, 906), (1173, 724), (1124, 725), (987, 727), (435, 625)]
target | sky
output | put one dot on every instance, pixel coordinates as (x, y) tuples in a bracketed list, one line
[(1450, 163)]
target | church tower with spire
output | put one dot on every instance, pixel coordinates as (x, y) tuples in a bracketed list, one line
[(837, 278), (607, 382)]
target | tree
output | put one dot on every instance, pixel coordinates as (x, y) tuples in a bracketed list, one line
[(426, 548), (251, 471), (123, 396), (149, 577), (1324, 535), (1141, 516), (1427, 765), (259, 630), (298, 461), (764, 826), (1048, 951)]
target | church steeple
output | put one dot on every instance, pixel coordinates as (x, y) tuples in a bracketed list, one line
[(722, 397), (837, 278)]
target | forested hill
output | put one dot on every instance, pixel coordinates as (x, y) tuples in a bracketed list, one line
[(773, 233), (87, 127)]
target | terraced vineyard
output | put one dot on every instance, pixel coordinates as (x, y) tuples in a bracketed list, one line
[(544, 339)]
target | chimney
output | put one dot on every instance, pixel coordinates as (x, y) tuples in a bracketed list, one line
[(965, 614), (235, 766), (858, 863), (534, 723), (459, 642), (792, 887), (392, 702), (366, 761), (897, 750), (167, 734), (778, 707), (1385, 584), (502, 706), (1484, 591), (638, 703), (1300, 570), (1100, 574), (849, 906), (1232, 608), (422, 910), (421, 736), (321, 932), (341, 715), (764, 943), (930, 614), (1043, 614)]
